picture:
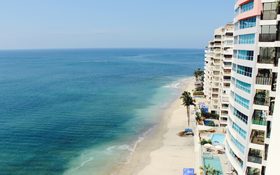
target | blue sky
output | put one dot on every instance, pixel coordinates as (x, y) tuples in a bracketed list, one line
[(29, 24)]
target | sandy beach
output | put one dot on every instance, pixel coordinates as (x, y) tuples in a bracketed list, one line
[(163, 151)]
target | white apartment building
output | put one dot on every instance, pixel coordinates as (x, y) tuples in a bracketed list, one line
[(253, 85), (218, 57)]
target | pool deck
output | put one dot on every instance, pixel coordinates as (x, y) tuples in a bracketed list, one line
[(200, 150)]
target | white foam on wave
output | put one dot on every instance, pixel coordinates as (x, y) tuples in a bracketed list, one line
[(174, 85), (87, 157)]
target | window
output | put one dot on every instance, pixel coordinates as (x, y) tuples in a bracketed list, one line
[(246, 39), (236, 158), (234, 67), (238, 129), (244, 54), (242, 101), (240, 115), (246, 87), (247, 23), (236, 40), (236, 11), (247, 7), (243, 70), (237, 143)]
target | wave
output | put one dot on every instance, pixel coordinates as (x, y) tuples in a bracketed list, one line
[(177, 84)]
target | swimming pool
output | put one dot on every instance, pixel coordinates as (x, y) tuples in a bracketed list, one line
[(213, 162), (218, 139)]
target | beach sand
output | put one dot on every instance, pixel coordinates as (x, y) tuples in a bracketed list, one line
[(163, 151)]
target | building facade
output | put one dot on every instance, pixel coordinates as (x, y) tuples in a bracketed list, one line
[(218, 57), (253, 85)]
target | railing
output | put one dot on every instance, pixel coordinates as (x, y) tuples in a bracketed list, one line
[(268, 37), (263, 80), (255, 159), (259, 122)]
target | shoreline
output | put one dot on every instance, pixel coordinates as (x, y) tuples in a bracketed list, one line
[(162, 151)]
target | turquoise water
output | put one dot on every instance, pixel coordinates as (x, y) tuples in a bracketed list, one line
[(218, 138), (80, 111), (213, 161)]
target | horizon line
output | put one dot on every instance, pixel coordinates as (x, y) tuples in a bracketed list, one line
[(85, 48)]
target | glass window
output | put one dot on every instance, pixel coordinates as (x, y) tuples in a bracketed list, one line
[(247, 23), (238, 129), (247, 7), (243, 70), (242, 101), (240, 115), (247, 39), (246, 87), (244, 54), (237, 143)]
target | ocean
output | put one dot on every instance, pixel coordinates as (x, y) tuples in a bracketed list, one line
[(83, 111)]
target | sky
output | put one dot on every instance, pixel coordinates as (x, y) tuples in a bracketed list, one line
[(38, 24)]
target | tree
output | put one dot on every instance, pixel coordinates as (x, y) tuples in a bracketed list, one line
[(187, 102), (198, 74), (208, 170)]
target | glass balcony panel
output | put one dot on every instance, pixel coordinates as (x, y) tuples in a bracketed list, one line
[(259, 118)]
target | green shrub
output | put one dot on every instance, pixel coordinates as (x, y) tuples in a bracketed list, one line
[(204, 141), (208, 115)]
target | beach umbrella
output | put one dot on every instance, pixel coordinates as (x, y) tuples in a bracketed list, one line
[(188, 171), (219, 147), (207, 145)]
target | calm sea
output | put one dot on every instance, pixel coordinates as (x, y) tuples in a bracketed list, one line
[(79, 111)]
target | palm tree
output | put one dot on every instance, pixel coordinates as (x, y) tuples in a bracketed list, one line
[(198, 74), (187, 102)]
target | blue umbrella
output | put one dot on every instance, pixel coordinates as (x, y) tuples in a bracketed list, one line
[(188, 171)]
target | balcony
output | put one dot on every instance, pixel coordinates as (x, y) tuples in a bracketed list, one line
[(270, 10), (255, 156), (269, 55), (263, 80), (268, 37), (257, 137), (266, 59), (253, 171), (259, 118), (269, 15), (262, 98)]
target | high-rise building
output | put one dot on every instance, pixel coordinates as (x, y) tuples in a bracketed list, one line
[(253, 85), (218, 57)]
